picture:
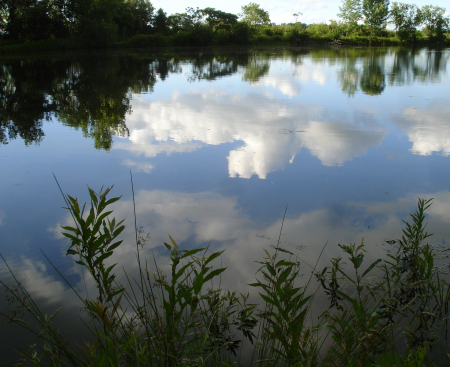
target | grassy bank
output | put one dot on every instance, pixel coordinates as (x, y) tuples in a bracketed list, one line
[(392, 312), (206, 38)]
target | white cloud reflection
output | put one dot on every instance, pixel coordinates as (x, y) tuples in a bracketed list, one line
[(284, 83), (143, 167), (428, 129), (196, 219), (34, 277), (272, 132)]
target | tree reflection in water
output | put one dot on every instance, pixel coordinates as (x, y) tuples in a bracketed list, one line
[(93, 93)]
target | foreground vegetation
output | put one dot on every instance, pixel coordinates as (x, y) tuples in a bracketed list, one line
[(27, 25), (392, 312)]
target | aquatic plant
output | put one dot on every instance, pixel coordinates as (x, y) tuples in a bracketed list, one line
[(393, 313)]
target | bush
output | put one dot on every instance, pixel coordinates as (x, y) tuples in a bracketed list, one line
[(240, 34), (140, 40), (98, 34)]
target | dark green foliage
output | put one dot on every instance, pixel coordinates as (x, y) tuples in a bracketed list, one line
[(219, 20), (160, 22), (376, 14), (114, 23), (435, 21), (406, 19), (286, 337), (408, 301), (94, 240), (240, 34), (373, 80)]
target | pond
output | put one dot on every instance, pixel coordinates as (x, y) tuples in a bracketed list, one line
[(221, 144)]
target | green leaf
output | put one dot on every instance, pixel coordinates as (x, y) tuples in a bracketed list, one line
[(112, 200), (68, 235), (110, 297), (357, 261), (375, 263), (93, 196), (214, 256), (343, 295), (198, 283), (181, 271), (102, 257), (109, 269), (114, 245), (103, 216), (194, 304), (268, 299), (187, 253), (345, 275), (67, 228), (81, 262), (213, 274), (90, 218), (284, 275), (118, 230), (285, 263)]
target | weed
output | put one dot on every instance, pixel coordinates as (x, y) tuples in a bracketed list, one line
[(396, 317)]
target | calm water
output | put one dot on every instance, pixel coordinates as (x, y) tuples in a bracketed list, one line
[(219, 143)]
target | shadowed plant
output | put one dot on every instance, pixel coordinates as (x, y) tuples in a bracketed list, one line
[(393, 312)]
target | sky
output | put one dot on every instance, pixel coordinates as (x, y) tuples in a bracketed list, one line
[(281, 11)]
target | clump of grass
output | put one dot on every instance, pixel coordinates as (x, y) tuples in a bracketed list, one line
[(396, 317)]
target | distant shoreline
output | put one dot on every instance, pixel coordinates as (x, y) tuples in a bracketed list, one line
[(161, 42)]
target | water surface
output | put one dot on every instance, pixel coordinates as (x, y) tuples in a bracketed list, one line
[(219, 142)]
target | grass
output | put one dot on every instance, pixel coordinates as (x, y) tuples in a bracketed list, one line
[(193, 39), (392, 312)]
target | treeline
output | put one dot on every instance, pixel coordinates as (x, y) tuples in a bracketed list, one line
[(372, 16), (96, 22), (107, 23)]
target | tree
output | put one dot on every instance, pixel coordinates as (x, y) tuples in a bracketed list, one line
[(351, 12), (376, 14), (406, 18), (160, 21), (185, 21), (296, 15), (435, 21), (219, 20), (142, 11), (3, 19), (255, 69), (254, 16), (373, 79), (12, 11)]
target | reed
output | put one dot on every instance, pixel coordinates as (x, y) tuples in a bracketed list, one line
[(393, 312)]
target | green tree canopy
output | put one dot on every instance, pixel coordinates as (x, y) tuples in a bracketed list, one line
[(185, 21), (98, 21), (376, 14), (351, 11), (406, 18), (160, 22), (434, 20), (218, 19), (254, 15), (373, 80)]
